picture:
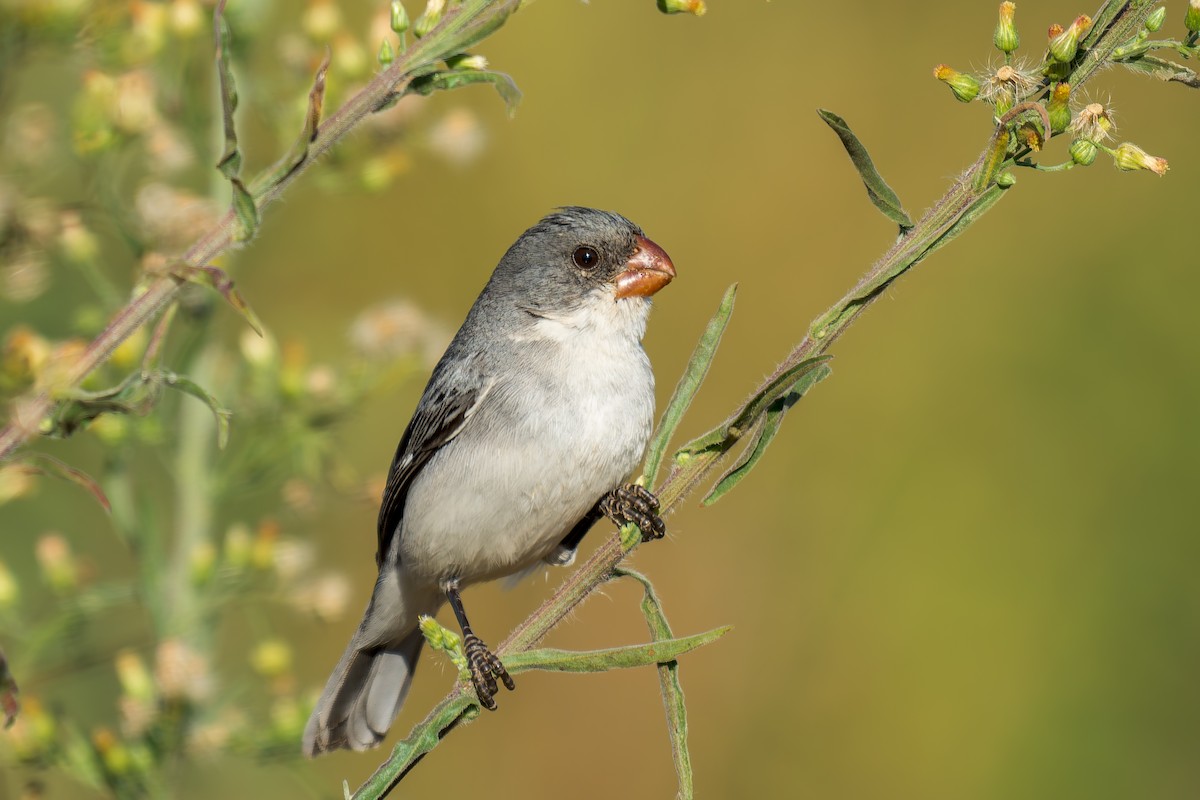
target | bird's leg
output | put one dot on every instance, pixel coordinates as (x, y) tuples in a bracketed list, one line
[(634, 503), (484, 665)]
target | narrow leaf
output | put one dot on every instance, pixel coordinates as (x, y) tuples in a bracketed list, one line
[(456, 78), (1164, 70), (668, 684), (771, 423), (727, 433), (245, 209), (217, 279), (882, 195), (298, 154), (42, 464), (231, 160), (627, 657), (689, 384), (220, 413)]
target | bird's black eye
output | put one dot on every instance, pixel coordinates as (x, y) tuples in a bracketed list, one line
[(586, 257)]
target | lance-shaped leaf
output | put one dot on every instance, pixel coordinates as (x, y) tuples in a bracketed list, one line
[(689, 384), (42, 464), (220, 413), (456, 78), (245, 209), (298, 154), (764, 432), (668, 684), (217, 279), (627, 657), (725, 434), (230, 164), (882, 195), (1164, 70)]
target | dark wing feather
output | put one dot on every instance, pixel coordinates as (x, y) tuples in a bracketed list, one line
[(440, 416)]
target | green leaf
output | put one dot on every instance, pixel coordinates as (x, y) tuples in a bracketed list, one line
[(217, 279), (298, 154), (245, 209), (725, 434), (668, 684), (689, 384), (42, 464), (882, 195), (456, 78), (188, 386), (627, 657), (764, 433), (231, 160)]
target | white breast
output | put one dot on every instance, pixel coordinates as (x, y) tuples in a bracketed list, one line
[(550, 442)]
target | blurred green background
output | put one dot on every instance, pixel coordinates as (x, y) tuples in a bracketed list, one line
[(967, 568)]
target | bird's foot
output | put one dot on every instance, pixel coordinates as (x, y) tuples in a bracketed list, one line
[(485, 668), (636, 504)]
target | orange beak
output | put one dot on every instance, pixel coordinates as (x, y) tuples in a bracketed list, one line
[(648, 270)]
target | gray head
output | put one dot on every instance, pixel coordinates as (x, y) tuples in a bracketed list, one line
[(575, 254)]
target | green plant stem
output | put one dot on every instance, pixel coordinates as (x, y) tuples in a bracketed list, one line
[(194, 480), (463, 25), (968, 198)]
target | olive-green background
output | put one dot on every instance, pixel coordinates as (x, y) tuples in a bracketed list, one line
[(967, 568)]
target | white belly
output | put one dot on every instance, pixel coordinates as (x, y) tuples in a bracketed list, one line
[(512, 484)]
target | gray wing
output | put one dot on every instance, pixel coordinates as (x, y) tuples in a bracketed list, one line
[(450, 399)]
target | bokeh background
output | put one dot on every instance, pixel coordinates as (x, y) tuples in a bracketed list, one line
[(967, 567)]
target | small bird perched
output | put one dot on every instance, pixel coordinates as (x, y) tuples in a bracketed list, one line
[(538, 411)]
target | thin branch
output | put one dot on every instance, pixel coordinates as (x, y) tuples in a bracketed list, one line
[(462, 26)]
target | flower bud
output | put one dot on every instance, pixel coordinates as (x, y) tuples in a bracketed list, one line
[(386, 54), (964, 87), (1065, 45), (429, 20), (1058, 108), (695, 7), (399, 17), (1191, 19), (1156, 19), (1006, 38), (467, 61), (1083, 152), (1129, 156)]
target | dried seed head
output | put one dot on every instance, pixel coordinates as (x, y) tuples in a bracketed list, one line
[(1094, 123), (1008, 86)]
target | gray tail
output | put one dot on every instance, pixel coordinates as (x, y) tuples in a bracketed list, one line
[(363, 696)]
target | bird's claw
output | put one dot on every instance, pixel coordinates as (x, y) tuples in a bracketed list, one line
[(485, 667), (636, 504)]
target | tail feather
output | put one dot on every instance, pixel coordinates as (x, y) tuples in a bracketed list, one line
[(363, 696)]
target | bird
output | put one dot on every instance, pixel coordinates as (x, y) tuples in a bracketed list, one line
[(525, 436)]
